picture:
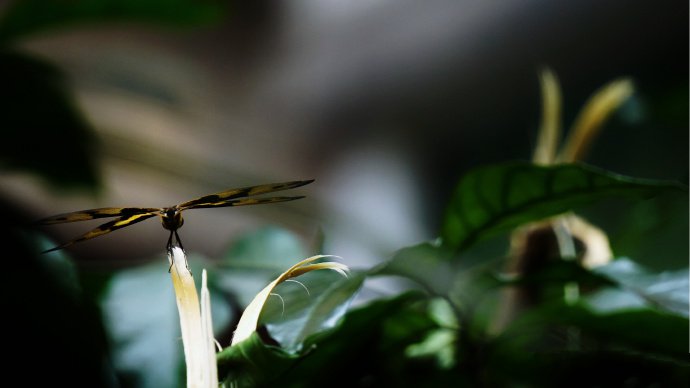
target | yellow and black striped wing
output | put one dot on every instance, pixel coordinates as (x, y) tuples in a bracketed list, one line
[(91, 214), (131, 215), (245, 201), (232, 197), (125, 220)]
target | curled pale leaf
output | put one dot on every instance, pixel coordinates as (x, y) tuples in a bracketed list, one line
[(598, 108), (250, 317), (550, 131)]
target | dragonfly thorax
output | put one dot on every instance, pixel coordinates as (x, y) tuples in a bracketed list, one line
[(172, 218)]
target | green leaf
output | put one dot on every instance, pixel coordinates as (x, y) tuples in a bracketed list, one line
[(24, 17), (632, 328), (558, 273), (252, 363), (604, 368), (425, 263), (557, 342), (499, 197), (667, 290), (143, 330), (306, 314), (41, 129), (46, 310), (642, 329), (652, 232), (367, 346)]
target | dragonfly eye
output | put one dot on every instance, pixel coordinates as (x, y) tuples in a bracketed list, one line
[(170, 213)]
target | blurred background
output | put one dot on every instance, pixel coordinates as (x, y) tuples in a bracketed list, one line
[(385, 103)]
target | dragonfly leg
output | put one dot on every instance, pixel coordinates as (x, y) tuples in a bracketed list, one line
[(168, 246), (179, 243)]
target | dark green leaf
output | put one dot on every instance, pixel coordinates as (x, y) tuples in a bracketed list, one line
[(41, 129), (466, 282), (559, 273), (45, 308), (555, 343), (641, 329), (495, 198), (321, 308), (638, 329), (251, 363), (368, 346), (584, 368), (652, 232), (24, 17), (425, 263)]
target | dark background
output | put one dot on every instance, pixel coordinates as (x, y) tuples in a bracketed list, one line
[(386, 104)]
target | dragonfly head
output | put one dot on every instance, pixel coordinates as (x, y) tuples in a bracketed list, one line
[(172, 218)]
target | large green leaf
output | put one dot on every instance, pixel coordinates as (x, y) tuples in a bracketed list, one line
[(469, 283), (583, 368), (557, 342), (251, 363), (629, 328), (367, 346), (299, 313), (143, 329), (42, 132), (24, 17), (426, 263), (667, 290), (495, 198), (643, 329)]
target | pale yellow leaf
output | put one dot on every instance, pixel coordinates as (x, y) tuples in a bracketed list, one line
[(250, 317)]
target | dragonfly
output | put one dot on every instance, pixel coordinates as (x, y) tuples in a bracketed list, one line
[(171, 217)]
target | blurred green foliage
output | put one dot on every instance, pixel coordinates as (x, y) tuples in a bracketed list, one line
[(632, 320)]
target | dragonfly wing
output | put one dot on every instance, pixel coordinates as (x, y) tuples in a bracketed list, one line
[(225, 197), (244, 202), (105, 212), (107, 228)]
